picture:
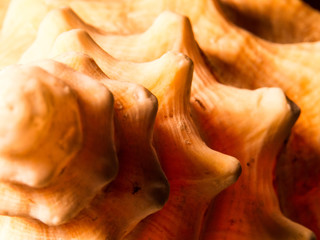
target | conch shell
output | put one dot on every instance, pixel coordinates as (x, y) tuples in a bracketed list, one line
[(178, 25), (197, 117)]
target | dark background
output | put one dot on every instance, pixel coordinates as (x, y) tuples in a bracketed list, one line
[(313, 3)]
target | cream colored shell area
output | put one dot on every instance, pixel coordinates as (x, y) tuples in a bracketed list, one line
[(40, 127), (61, 161)]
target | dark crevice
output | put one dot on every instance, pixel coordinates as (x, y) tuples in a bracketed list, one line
[(313, 3)]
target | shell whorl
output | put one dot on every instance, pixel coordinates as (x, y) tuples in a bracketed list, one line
[(41, 128)]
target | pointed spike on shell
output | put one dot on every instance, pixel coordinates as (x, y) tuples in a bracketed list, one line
[(136, 105), (255, 142), (168, 30), (54, 23)]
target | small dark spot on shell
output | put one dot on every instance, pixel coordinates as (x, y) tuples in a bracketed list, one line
[(232, 221), (125, 116), (200, 104), (135, 188), (62, 171)]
